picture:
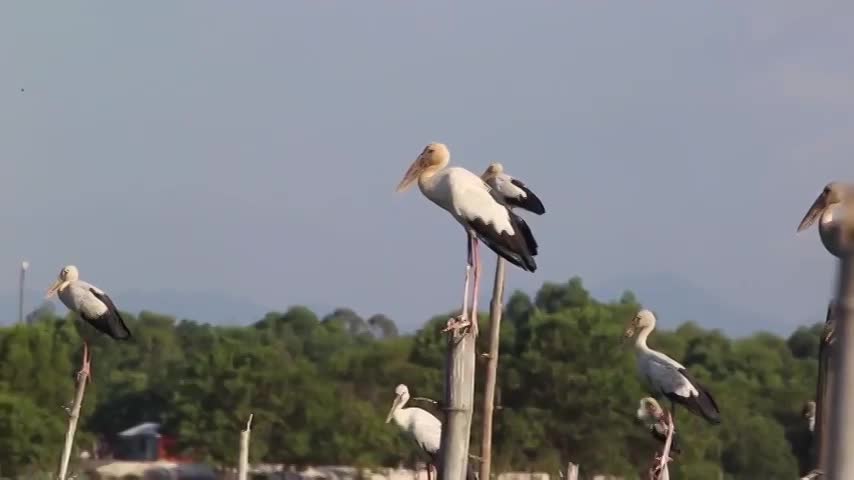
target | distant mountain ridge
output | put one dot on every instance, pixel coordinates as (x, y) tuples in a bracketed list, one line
[(676, 300)]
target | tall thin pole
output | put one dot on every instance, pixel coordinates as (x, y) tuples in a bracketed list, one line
[(841, 447), (459, 400), (495, 311), (243, 457), (826, 380), (24, 266), (74, 416)]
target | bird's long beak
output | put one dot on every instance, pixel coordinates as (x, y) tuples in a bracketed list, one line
[(630, 330), (411, 175), (393, 408), (57, 285), (813, 213)]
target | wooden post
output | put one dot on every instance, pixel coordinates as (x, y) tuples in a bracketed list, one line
[(459, 400), (495, 311), (826, 379), (74, 415), (243, 461), (841, 363), (571, 471)]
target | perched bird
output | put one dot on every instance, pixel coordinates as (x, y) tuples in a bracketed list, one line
[(468, 199), (89, 302), (830, 208), (654, 417), (668, 377), (422, 426), (510, 190)]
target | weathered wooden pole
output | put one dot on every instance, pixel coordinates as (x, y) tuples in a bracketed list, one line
[(571, 471), (74, 415), (826, 379), (243, 459), (459, 400), (841, 361), (495, 312)]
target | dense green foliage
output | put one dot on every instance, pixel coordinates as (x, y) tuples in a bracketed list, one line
[(320, 388)]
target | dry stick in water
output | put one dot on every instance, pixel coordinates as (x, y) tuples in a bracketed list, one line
[(243, 460), (74, 414), (491, 368)]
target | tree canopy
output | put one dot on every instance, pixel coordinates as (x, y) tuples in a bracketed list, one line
[(320, 388)]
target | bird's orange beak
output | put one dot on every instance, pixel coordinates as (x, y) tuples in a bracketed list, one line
[(411, 175), (57, 286)]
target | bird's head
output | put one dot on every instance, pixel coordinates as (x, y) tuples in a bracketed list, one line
[(67, 275), (432, 158), (833, 194), (649, 410), (401, 396), (492, 170), (642, 320), (809, 410)]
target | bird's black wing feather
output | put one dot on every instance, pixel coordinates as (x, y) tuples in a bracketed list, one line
[(530, 202), (515, 248), (702, 405), (111, 322)]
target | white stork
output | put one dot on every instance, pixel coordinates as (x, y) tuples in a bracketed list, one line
[(826, 209), (654, 416), (510, 190), (91, 304), (468, 199), (421, 425), (667, 376)]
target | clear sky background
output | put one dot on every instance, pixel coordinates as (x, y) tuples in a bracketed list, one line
[(250, 150)]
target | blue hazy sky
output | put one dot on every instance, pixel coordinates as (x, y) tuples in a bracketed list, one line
[(253, 147)]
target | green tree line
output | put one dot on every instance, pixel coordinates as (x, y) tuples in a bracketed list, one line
[(320, 388)]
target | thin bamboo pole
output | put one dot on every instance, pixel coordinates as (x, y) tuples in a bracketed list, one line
[(74, 414), (243, 460), (495, 312)]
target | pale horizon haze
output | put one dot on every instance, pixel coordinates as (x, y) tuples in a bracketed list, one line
[(251, 150)]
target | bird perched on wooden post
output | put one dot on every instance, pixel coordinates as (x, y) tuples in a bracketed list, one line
[(468, 199), (511, 190), (91, 304), (834, 202), (654, 416), (668, 377)]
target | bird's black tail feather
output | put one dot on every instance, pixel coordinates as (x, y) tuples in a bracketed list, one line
[(703, 405)]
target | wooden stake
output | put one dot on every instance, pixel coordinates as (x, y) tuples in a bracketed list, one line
[(74, 414), (243, 461), (495, 311), (571, 471), (841, 363), (458, 402), (826, 379)]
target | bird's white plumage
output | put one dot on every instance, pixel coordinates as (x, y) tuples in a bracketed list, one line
[(78, 297), (420, 424), (466, 197), (503, 187), (661, 372)]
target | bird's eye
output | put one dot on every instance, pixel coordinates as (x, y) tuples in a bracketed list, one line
[(429, 150)]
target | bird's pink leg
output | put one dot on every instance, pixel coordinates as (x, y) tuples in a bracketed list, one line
[(476, 280), (85, 372), (462, 320)]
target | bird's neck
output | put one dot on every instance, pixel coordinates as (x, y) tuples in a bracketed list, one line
[(428, 177), (640, 341), (827, 215), (402, 417)]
